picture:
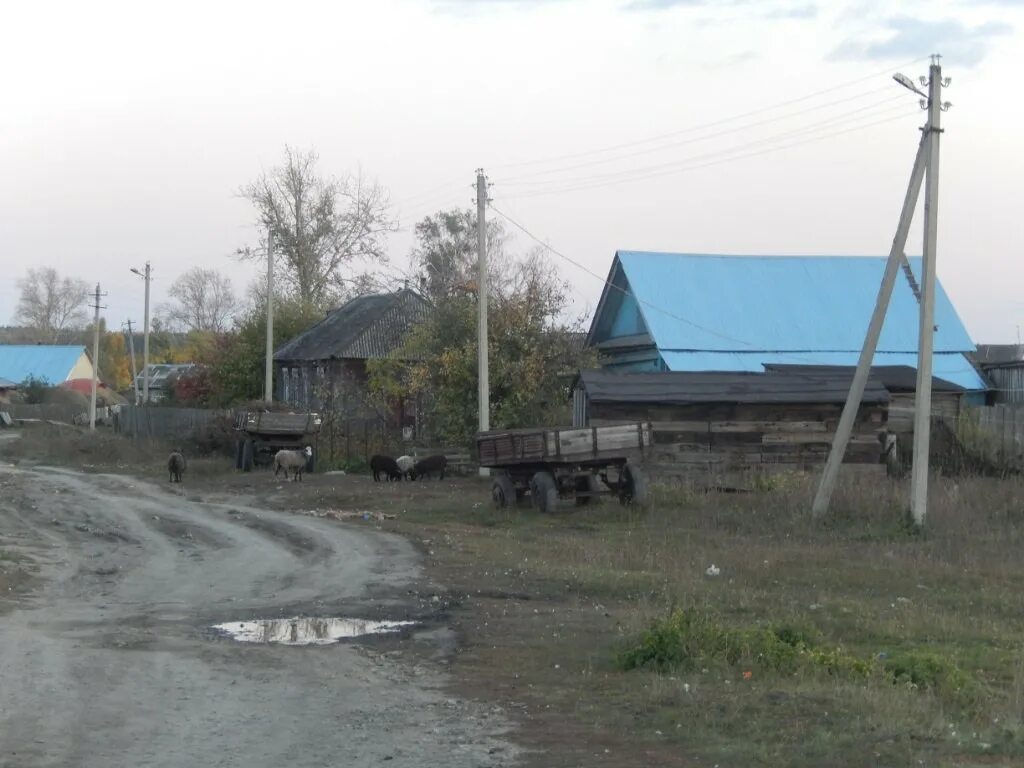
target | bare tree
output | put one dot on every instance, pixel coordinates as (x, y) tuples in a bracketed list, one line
[(320, 224), (51, 305), (203, 301)]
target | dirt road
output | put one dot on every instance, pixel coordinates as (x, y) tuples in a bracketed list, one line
[(110, 657)]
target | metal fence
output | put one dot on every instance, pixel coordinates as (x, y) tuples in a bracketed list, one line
[(994, 434)]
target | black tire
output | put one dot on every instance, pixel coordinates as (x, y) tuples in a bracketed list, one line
[(503, 491), (248, 455), (589, 483), (544, 492), (634, 486), (238, 454)]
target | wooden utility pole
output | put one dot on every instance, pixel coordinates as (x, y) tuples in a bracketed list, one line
[(483, 387), (923, 396), (268, 373), (927, 150)]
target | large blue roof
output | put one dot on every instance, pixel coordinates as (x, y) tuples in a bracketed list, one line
[(43, 361), (778, 303)]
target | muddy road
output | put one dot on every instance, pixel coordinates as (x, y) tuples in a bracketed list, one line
[(110, 657)]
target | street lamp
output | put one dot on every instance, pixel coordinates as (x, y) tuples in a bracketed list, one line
[(145, 336)]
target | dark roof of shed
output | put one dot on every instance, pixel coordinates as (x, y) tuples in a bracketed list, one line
[(895, 378), (366, 327), (998, 354), (685, 388)]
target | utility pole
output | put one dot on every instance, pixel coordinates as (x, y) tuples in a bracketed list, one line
[(131, 351), (484, 387), (268, 389), (896, 258), (923, 397), (145, 336), (95, 357)]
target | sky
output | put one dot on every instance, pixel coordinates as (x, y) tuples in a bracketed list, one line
[(713, 126)]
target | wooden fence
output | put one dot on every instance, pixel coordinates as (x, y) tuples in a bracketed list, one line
[(139, 422), (993, 434)]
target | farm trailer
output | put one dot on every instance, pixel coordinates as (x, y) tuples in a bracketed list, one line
[(551, 465), (261, 435)]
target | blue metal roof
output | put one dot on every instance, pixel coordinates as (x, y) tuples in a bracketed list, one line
[(42, 361), (951, 366), (778, 303)]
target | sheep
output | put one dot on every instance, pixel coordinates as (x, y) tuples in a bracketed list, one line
[(294, 460), (429, 466), (405, 463), (176, 465), (385, 465)]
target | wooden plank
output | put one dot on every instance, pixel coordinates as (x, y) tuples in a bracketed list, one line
[(767, 426)]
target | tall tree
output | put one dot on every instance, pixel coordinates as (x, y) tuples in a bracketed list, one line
[(446, 250), (51, 305), (321, 224), (203, 301)]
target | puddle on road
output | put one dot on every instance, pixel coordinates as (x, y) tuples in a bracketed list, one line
[(305, 631)]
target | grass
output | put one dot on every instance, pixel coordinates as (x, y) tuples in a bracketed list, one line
[(866, 642)]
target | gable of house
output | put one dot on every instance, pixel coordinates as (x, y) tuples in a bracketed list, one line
[(703, 312)]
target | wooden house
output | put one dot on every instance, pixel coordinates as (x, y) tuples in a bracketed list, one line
[(324, 367), (720, 422)]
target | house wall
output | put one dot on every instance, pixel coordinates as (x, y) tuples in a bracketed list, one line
[(82, 369), (722, 438), (1008, 383), (901, 409)]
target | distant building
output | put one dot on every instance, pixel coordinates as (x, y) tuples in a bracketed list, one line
[(1004, 366), (161, 379), (700, 312), (53, 363), (325, 366)]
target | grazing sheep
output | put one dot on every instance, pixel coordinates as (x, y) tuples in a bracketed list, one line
[(294, 460), (385, 465), (429, 466), (405, 463), (176, 465)]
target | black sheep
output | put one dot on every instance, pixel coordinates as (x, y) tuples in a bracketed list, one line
[(385, 465), (429, 466), (176, 466)]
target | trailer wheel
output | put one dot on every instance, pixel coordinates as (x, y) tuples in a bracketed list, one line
[(248, 455), (503, 491), (544, 492), (588, 483), (633, 486)]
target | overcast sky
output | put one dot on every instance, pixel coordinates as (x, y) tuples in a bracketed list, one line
[(602, 124)]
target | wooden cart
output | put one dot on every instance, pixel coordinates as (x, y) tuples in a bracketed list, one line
[(550, 465), (262, 434)]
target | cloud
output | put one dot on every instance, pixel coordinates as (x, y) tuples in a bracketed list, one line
[(907, 37), (805, 11), (661, 5)]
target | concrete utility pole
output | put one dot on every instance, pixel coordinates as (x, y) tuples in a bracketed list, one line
[(923, 397), (95, 357), (268, 374), (145, 336), (484, 386), (131, 352), (896, 257)]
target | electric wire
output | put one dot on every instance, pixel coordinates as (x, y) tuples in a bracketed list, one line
[(712, 124)]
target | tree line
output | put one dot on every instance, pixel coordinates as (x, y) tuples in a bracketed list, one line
[(330, 245)]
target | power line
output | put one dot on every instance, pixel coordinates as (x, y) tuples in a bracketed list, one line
[(712, 124), (628, 176), (810, 128), (719, 134)]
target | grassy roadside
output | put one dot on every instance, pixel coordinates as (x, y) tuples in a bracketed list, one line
[(849, 642)]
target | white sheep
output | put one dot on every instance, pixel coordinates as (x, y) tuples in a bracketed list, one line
[(405, 463), (294, 460)]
